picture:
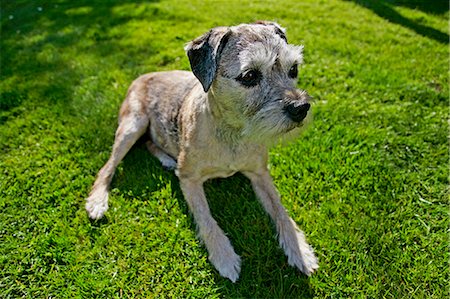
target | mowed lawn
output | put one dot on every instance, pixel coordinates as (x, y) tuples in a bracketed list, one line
[(367, 182)]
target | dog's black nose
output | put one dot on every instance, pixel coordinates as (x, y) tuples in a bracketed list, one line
[(297, 112)]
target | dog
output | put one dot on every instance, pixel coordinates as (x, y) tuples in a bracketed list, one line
[(215, 121)]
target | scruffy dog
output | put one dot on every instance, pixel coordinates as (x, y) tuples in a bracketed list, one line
[(214, 122)]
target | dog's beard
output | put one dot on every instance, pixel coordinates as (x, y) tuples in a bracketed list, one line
[(270, 126)]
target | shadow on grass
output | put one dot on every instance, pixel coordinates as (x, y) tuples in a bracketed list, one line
[(35, 33), (385, 10), (265, 271)]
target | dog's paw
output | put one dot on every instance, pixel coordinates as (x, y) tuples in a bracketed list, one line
[(169, 163), (304, 259), (228, 266), (300, 254), (97, 204), (226, 261)]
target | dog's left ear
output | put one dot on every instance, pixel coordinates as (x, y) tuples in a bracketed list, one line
[(204, 54)]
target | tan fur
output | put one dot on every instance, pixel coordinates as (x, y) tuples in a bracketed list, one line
[(204, 135)]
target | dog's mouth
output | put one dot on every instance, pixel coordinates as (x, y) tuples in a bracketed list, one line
[(274, 122), (298, 122), (293, 125)]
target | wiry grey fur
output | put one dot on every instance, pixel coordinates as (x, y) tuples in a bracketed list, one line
[(215, 122)]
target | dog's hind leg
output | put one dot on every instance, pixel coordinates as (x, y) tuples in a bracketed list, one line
[(167, 161), (131, 127)]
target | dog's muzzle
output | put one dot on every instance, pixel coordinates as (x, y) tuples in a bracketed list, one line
[(297, 111)]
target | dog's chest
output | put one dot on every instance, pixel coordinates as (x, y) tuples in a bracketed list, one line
[(221, 163)]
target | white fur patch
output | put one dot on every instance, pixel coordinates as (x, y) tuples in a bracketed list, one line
[(263, 57), (258, 56), (291, 55)]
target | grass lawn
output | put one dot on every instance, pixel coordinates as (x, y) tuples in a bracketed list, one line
[(367, 182)]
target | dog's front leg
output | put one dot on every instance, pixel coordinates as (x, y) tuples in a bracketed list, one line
[(291, 238), (221, 253)]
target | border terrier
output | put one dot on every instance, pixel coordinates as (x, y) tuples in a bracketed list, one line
[(219, 119)]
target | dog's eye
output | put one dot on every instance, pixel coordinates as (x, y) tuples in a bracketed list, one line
[(250, 78), (293, 71)]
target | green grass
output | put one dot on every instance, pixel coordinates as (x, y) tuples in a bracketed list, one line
[(368, 182)]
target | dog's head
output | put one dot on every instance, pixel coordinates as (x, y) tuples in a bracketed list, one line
[(251, 73)]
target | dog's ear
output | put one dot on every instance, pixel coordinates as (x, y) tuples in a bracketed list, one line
[(204, 54), (278, 29)]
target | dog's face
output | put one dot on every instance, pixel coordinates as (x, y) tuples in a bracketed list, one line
[(251, 71)]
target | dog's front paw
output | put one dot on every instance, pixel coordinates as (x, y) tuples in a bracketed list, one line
[(97, 204), (226, 261), (300, 254), (228, 266), (303, 258)]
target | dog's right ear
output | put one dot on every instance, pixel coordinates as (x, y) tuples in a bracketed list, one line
[(278, 29), (204, 54)]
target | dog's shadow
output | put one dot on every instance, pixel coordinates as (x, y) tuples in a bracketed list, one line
[(264, 271)]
